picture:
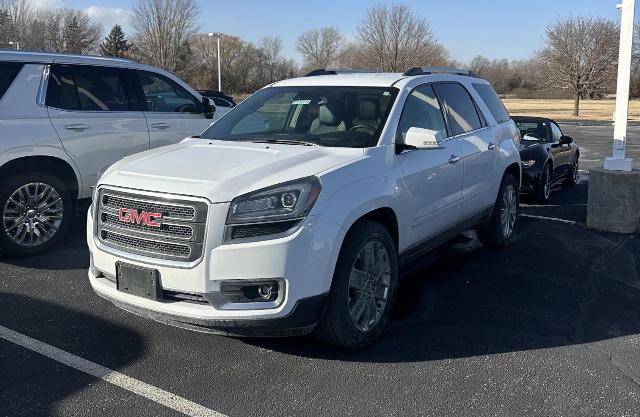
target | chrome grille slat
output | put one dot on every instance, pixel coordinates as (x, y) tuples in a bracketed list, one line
[(180, 236), (167, 210), (155, 246), (166, 229)]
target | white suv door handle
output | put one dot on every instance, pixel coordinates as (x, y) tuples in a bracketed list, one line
[(454, 159), (160, 126), (77, 127), (491, 146)]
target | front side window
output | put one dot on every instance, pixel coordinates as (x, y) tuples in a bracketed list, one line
[(164, 95), (8, 72), (87, 88), (422, 110), (555, 132), (461, 110), (323, 115)]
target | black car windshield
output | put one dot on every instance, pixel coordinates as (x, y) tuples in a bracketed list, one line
[(533, 130), (314, 115)]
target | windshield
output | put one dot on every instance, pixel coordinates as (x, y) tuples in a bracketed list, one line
[(327, 116), (533, 130)]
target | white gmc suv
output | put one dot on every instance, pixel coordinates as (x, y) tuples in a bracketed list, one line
[(63, 118), (294, 212)]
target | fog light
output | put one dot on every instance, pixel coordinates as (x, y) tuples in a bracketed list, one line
[(265, 291), (234, 293)]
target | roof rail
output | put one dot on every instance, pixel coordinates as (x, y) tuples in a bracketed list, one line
[(330, 71), (438, 70)]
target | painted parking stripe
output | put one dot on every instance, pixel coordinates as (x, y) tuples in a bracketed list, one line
[(553, 219), (133, 385)]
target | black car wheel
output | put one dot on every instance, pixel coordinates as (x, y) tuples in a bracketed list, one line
[(574, 174), (543, 191)]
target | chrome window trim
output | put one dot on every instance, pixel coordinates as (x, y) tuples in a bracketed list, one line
[(42, 89)]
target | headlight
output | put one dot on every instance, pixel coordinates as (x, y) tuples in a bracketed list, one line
[(272, 210), (529, 163)]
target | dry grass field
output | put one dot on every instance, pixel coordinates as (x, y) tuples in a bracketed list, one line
[(562, 110)]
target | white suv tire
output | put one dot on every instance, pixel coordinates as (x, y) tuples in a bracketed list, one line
[(499, 231), (29, 200), (363, 288)]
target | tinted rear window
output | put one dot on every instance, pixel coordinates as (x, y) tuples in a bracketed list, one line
[(8, 72), (463, 116), (491, 99)]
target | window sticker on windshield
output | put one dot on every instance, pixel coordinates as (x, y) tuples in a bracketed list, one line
[(300, 102)]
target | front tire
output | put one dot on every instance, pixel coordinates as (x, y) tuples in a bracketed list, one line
[(543, 191), (363, 289), (498, 232), (35, 213)]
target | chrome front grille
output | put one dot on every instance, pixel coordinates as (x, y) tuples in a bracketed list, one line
[(175, 232)]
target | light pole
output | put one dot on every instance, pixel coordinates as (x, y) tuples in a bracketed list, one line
[(217, 35), (17, 44), (619, 161)]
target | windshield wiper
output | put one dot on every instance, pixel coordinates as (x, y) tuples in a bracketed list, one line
[(281, 141)]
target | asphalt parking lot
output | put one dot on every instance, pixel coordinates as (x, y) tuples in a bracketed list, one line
[(548, 326)]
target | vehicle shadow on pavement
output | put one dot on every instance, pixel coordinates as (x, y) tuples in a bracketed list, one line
[(34, 385), (70, 253), (557, 285)]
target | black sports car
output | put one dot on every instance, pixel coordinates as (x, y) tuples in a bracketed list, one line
[(548, 157)]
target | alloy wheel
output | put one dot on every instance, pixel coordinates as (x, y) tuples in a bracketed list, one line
[(509, 211), (32, 214), (369, 285), (576, 174), (547, 183)]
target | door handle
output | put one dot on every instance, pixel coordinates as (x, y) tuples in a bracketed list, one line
[(491, 146), (454, 159), (77, 127), (161, 126)]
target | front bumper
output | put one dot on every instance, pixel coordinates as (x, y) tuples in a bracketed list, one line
[(530, 180), (303, 261)]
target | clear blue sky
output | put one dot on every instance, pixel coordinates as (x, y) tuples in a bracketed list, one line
[(496, 29)]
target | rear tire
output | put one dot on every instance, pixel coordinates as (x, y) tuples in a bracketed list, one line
[(498, 232), (574, 173), (363, 288), (35, 213)]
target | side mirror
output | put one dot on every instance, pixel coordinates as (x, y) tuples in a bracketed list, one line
[(418, 138), (209, 107), (566, 140)]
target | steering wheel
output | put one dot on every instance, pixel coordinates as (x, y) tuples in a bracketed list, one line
[(365, 127)]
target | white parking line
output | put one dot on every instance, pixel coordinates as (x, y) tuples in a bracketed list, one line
[(554, 219), (133, 385)]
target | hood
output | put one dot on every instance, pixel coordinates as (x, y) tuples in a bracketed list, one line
[(222, 170)]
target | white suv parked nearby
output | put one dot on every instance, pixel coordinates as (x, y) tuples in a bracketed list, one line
[(63, 119), (295, 211)]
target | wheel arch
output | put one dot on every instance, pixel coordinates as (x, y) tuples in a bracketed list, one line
[(51, 164)]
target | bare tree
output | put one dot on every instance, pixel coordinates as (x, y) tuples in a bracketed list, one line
[(320, 48), (271, 48), (162, 28), (21, 13), (394, 39), (580, 56)]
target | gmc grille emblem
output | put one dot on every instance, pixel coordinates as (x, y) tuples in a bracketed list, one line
[(145, 218)]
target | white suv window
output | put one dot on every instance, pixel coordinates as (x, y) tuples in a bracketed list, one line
[(463, 116), (163, 95), (87, 88), (8, 72), (422, 110)]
